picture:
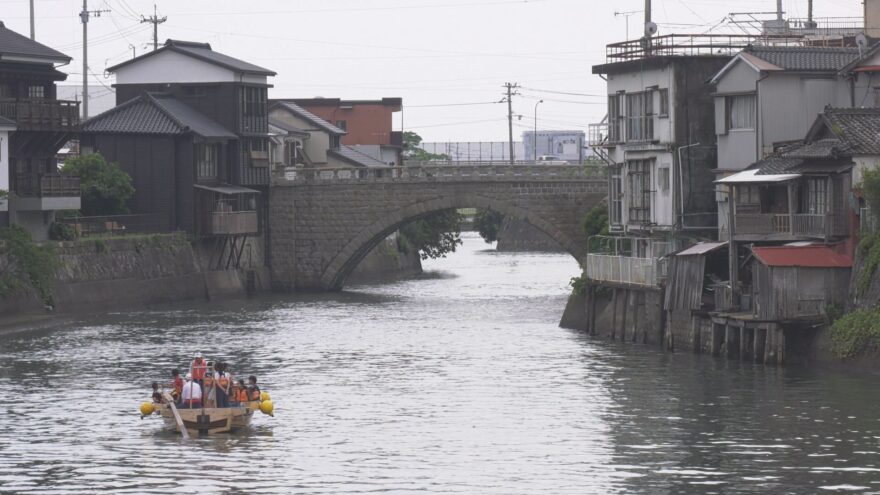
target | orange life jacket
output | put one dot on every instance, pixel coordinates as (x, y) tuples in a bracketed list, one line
[(209, 382), (241, 395), (198, 369)]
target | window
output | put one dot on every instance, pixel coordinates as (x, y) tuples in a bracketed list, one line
[(206, 156), (37, 92), (615, 118), (741, 112), (616, 197), (640, 116), (259, 152), (663, 178), (664, 102), (253, 101), (816, 197), (639, 191), (342, 125)]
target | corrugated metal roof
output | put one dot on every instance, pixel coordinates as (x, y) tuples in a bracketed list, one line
[(155, 114), (805, 58), (816, 256), (309, 116), (751, 176), (701, 248), (12, 43)]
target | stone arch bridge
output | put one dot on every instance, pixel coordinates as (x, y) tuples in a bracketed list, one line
[(324, 221)]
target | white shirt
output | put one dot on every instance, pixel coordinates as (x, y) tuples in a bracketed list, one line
[(191, 391)]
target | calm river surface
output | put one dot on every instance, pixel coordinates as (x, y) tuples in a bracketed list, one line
[(460, 382)]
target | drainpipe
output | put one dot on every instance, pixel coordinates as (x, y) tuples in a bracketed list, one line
[(759, 118)]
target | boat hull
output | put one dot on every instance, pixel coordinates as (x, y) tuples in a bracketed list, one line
[(208, 420)]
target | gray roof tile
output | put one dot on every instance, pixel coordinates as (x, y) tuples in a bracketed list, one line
[(857, 128), (805, 58), (202, 51), (12, 43), (155, 114), (309, 116), (358, 158)]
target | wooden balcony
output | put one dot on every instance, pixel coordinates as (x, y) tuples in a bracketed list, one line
[(785, 226), (41, 114), (233, 223)]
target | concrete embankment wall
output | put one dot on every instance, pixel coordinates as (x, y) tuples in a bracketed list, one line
[(627, 315), (103, 274)]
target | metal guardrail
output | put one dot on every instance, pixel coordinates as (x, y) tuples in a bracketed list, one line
[(448, 173), (691, 45), (624, 269), (150, 223)]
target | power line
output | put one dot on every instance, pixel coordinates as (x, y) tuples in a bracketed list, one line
[(456, 104), (563, 92), (155, 21)]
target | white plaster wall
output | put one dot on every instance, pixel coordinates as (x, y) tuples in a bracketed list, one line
[(173, 67), (316, 145)]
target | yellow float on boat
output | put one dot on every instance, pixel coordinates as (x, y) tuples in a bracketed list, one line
[(147, 408)]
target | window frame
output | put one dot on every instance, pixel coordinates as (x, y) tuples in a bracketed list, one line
[(206, 156), (733, 120)]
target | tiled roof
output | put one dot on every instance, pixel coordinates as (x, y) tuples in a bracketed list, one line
[(358, 158), (308, 116), (776, 164), (155, 114), (805, 58), (815, 256), (284, 126), (202, 51), (857, 128), (12, 43)]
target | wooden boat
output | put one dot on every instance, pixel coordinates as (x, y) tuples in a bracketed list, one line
[(208, 420)]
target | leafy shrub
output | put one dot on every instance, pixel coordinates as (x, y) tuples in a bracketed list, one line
[(61, 232), (488, 224), (105, 187), (31, 263), (856, 333), (434, 236)]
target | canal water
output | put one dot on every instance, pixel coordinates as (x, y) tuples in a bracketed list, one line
[(459, 382)]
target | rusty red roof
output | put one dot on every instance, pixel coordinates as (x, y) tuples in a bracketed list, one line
[(817, 256)]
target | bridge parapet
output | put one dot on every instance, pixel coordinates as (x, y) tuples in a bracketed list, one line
[(444, 173)]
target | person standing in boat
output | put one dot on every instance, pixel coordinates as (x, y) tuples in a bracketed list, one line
[(191, 395), (210, 395), (198, 369), (223, 383), (240, 393)]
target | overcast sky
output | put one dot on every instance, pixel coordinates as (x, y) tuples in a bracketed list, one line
[(429, 52)]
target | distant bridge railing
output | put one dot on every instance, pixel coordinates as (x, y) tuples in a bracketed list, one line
[(445, 173)]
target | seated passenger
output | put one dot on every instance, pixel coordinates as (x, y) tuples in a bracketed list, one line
[(157, 396), (191, 395), (240, 393), (176, 384), (253, 389)]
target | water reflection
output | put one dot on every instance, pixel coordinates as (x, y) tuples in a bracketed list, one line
[(459, 382)]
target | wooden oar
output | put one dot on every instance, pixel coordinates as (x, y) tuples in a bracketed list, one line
[(170, 401)]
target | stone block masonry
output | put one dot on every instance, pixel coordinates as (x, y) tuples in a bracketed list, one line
[(321, 229)]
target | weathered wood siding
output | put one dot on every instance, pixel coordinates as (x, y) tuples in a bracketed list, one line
[(783, 293), (685, 287)]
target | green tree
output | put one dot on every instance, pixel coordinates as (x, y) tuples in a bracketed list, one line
[(433, 236), (411, 150), (488, 224), (595, 223), (870, 187), (106, 188)]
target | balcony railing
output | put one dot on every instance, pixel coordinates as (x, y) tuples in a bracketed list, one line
[(233, 223), (40, 114), (691, 45), (47, 185), (796, 225), (599, 134), (114, 225), (624, 269)]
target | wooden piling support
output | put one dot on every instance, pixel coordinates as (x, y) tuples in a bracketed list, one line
[(718, 330), (623, 315), (613, 312), (759, 343)]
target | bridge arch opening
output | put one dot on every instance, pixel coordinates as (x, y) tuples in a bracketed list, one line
[(348, 258)]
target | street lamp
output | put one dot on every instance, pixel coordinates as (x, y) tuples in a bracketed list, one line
[(536, 130)]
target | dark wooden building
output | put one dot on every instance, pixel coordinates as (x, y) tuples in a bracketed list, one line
[(191, 127), (42, 125)]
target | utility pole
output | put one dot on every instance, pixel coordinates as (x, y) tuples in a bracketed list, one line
[(84, 17), (511, 87), (33, 35), (648, 11), (155, 21)]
